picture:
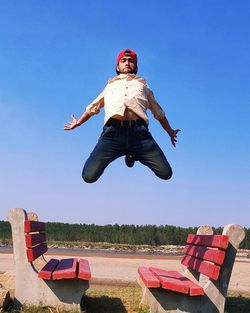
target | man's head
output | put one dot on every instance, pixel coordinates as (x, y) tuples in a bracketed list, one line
[(126, 62)]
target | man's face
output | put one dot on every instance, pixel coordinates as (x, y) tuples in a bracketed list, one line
[(126, 65)]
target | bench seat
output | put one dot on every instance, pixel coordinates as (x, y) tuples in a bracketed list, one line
[(170, 280), (65, 269)]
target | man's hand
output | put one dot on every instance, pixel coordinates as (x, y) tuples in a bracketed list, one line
[(173, 136), (171, 132), (72, 124)]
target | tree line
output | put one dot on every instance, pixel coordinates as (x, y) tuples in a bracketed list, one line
[(120, 234)]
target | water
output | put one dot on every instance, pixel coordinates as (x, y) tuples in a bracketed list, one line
[(5, 248), (95, 251)]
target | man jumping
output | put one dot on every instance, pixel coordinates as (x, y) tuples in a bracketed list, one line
[(125, 100)]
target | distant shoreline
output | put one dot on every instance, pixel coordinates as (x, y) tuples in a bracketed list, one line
[(174, 254), (110, 253)]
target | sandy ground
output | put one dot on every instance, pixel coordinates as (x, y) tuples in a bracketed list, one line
[(122, 270)]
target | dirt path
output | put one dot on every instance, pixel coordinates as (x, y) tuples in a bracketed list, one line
[(122, 270)]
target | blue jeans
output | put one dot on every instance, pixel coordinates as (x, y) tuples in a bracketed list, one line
[(117, 141)]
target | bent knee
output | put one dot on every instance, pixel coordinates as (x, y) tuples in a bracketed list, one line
[(166, 175), (89, 178)]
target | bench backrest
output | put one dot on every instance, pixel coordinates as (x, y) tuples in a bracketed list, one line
[(35, 239), (205, 254)]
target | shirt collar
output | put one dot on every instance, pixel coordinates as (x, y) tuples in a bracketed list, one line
[(126, 76)]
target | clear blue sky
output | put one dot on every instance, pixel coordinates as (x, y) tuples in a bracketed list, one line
[(56, 56)]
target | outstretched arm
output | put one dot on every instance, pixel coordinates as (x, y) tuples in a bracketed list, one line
[(91, 109), (171, 132), (76, 122), (158, 113)]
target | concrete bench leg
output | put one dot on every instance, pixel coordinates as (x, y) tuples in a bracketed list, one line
[(165, 301), (162, 301), (61, 293)]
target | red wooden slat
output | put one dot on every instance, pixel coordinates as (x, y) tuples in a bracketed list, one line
[(66, 269), (84, 269), (148, 278), (175, 281), (203, 267), (195, 290), (33, 226), (35, 252), (169, 282), (216, 241), (47, 270), (34, 239), (205, 253)]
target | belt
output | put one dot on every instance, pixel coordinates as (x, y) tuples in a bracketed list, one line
[(126, 123)]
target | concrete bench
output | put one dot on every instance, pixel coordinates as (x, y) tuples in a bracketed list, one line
[(202, 287), (57, 283)]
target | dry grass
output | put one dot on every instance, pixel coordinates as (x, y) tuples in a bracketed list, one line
[(126, 300), (98, 300), (117, 300), (237, 303)]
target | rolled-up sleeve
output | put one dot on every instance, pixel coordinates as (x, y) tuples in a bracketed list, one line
[(95, 106), (154, 106)]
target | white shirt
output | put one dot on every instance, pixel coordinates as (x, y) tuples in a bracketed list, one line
[(126, 91)]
